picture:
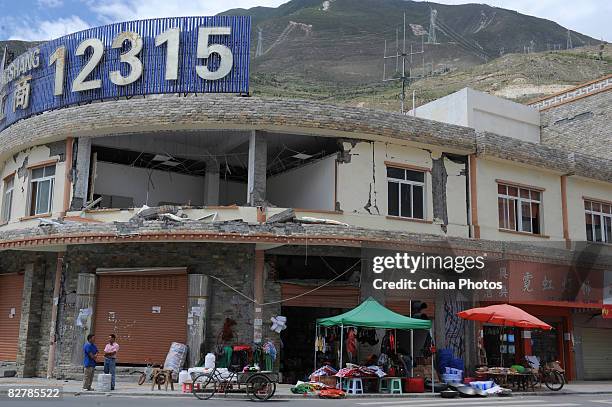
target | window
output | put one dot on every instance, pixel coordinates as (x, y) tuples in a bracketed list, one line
[(406, 197), (7, 201), (598, 221), (519, 209), (41, 190)]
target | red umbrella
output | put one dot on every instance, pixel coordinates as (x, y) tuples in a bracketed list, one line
[(504, 314)]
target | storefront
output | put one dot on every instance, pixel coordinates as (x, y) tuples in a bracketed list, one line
[(145, 309), (303, 305), (11, 289), (553, 293)]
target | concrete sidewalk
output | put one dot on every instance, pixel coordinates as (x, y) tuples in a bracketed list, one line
[(74, 388)]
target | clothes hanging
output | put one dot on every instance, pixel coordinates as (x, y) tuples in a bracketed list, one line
[(351, 343)]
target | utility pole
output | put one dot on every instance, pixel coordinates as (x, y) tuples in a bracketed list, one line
[(259, 50), (568, 44), (431, 37), (402, 54)]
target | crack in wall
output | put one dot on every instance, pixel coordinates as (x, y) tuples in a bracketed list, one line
[(372, 193)]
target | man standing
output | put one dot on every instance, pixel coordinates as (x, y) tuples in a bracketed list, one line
[(110, 358), (89, 361)]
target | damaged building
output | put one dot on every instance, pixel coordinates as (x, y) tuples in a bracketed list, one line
[(159, 217)]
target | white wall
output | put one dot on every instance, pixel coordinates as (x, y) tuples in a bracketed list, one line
[(123, 180), (485, 112), (488, 217), (21, 189), (311, 186), (363, 180)]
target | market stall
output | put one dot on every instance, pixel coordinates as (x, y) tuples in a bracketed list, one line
[(507, 315), (371, 314)]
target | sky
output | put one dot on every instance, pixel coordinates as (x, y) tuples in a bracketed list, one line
[(48, 19)]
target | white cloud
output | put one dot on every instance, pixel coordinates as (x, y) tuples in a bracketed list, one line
[(122, 10), (47, 29), (50, 3)]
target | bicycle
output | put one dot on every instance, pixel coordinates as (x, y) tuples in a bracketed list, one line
[(258, 386), (551, 374), (148, 375)]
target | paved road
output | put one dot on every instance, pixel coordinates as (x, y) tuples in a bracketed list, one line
[(101, 401)]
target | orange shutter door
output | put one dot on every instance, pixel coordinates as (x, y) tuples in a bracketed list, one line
[(11, 290), (146, 313)]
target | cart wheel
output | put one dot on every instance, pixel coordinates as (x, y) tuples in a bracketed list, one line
[(260, 387), (554, 380), (204, 386), (142, 379)]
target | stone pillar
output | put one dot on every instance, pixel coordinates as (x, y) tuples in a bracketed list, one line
[(85, 308), (29, 327), (258, 294), (258, 165), (197, 317), (81, 175), (211, 183)]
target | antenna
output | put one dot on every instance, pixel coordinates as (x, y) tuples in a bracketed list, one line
[(402, 54), (431, 37), (259, 50), (568, 44)]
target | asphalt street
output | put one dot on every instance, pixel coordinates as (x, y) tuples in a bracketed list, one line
[(111, 401)]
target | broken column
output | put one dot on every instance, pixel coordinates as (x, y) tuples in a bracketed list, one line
[(211, 183), (81, 176), (258, 164), (31, 315)]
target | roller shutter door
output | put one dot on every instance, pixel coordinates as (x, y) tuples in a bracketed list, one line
[(597, 353), (11, 290), (146, 312), (326, 297)]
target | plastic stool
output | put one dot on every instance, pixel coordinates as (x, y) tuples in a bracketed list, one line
[(355, 386), (187, 387), (395, 386), (383, 385)]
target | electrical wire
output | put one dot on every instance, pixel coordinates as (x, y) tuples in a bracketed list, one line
[(287, 299)]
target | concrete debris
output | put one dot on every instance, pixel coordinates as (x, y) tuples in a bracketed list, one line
[(288, 215), (48, 222), (211, 216), (170, 216), (155, 213), (308, 219)]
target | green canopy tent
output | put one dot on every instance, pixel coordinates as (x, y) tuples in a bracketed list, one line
[(371, 314)]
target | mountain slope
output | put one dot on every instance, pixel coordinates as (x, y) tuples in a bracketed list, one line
[(342, 41)]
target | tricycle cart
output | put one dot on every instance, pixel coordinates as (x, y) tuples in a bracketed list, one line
[(259, 386)]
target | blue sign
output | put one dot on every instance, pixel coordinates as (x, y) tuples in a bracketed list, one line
[(165, 55)]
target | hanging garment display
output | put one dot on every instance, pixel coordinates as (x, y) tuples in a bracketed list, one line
[(351, 343), (279, 323)]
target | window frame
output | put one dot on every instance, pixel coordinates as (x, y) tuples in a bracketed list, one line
[(519, 201), (7, 202), (602, 219), (34, 183), (411, 184)]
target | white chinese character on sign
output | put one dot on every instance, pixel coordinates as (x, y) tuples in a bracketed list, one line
[(586, 288), (503, 273), (503, 292), (527, 277), (489, 293), (547, 284), (21, 98)]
